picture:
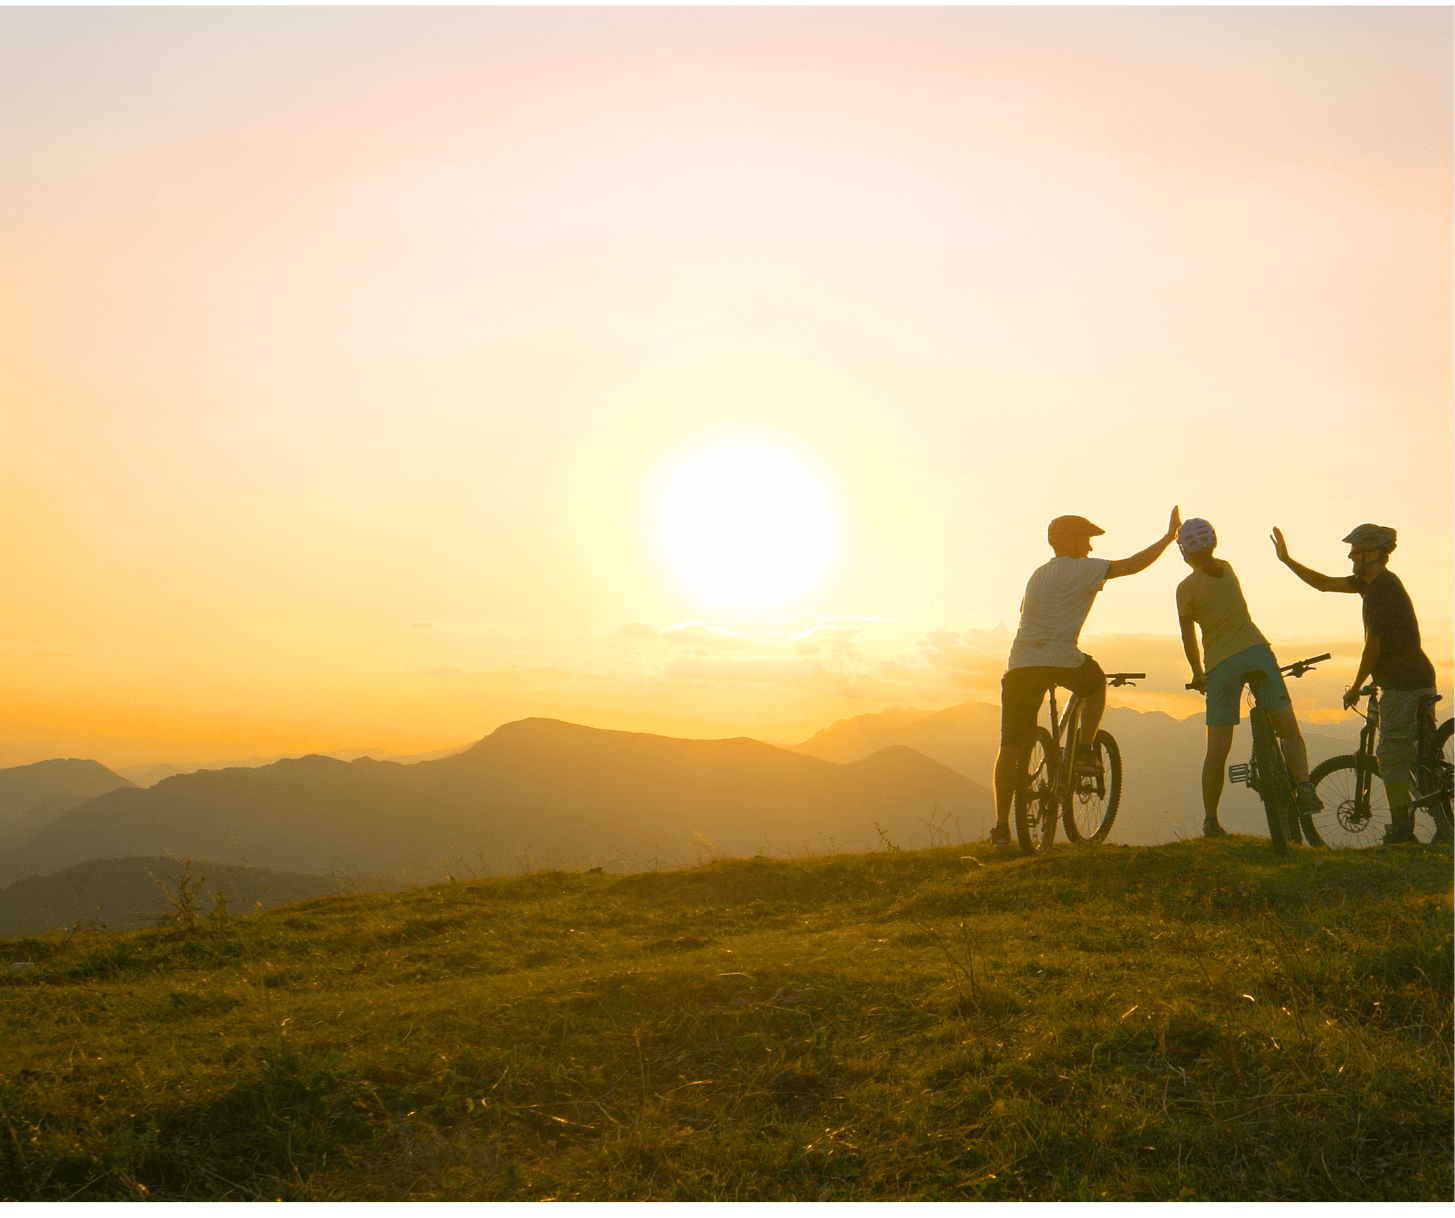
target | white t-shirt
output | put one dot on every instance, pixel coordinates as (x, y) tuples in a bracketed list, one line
[(1058, 598)]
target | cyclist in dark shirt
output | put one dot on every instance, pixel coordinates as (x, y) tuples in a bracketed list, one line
[(1392, 656)]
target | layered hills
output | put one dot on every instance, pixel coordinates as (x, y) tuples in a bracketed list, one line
[(127, 892), (31, 796), (534, 793)]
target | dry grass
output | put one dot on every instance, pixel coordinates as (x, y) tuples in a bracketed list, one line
[(1188, 1021)]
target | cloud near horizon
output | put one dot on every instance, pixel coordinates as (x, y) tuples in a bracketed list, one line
[(693, 633), (811, 676), (967, 659), (873, 661)]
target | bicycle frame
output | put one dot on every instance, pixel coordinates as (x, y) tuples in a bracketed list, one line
[(1364, 773), (1049, 789), (1432, 776), (1065, 751), (1269, 776), (1424, 774)]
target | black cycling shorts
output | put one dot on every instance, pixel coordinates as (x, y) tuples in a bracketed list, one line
[(1022, 690)]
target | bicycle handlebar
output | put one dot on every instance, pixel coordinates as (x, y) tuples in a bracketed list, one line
[(1299, 667), (1296, 669), (1124, 678)]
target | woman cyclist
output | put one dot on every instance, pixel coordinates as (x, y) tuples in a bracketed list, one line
[(1211, 598)]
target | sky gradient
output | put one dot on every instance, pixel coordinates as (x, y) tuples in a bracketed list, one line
[(346, 355)]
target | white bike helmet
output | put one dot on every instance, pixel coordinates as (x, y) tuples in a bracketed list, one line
[(1196, 534)]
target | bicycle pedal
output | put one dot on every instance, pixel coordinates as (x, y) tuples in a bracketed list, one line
[(1242, 772)]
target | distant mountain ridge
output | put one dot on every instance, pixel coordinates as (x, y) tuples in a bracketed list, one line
[(146, 774), (32, 796), (964, 737), (534, 792)]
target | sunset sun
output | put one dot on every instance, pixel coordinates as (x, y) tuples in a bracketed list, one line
[(747, 525)]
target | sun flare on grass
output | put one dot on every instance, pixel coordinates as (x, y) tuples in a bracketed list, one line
[(747, 525)]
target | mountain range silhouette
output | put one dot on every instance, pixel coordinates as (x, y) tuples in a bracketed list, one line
[(544, 793), (536, 792), (32, 796)]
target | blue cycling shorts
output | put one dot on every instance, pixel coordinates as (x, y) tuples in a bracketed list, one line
[(1225, 687)]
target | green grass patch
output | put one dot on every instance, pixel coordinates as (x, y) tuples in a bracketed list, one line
[(1191, 1021)]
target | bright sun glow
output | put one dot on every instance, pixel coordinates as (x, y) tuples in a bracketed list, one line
[(748, 525)]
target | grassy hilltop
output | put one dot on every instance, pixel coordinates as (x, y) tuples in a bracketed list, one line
[(1187, 1021)]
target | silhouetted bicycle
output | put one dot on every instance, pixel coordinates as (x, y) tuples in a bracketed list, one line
[(1050, 790), (1356, 809), (1266, 772)]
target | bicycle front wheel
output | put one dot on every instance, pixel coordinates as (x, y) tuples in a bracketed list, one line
[(1092, 808), (1274, 788), (1036, 799), (1348, 820)]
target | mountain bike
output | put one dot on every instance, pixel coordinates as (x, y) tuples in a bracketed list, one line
[(1267, 773), (1356, 809), (1050, 791)]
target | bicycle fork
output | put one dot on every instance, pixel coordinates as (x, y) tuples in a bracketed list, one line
[(1250, 773)]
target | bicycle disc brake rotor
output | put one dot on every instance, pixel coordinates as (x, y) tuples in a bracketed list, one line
[(1348, 816)]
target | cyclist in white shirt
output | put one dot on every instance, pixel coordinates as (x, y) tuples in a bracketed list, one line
[(1058, 598)]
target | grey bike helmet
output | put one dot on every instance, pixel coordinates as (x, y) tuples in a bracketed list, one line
[(1372, 537), (1196, 534)]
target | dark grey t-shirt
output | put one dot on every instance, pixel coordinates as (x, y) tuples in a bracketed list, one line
[(1389, 613)]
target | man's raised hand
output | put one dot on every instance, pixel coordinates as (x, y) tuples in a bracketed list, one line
[(1174, 522), (1280, 547)]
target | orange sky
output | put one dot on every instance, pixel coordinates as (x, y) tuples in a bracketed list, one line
[(345, 353)]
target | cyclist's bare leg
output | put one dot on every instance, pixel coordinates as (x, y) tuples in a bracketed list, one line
[(1219, 745), (1092, 707), (1295, 752), (1007, 763), (1397, 791)]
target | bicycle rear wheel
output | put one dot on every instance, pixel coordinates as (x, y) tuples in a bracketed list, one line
[(1273, 784), (1433, 812), (1092, 807), (1036, 799), (1343, 821)]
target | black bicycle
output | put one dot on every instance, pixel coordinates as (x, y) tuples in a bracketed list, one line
[(1266, 772), (1356, 809), (1050, 791)]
